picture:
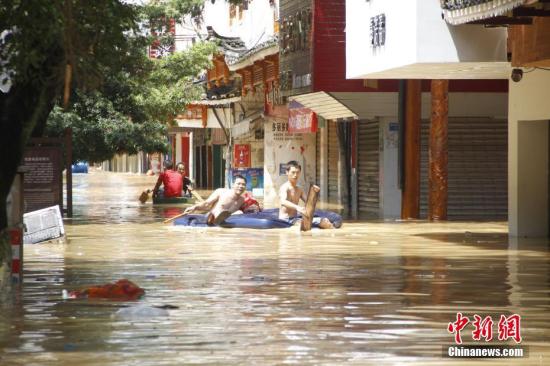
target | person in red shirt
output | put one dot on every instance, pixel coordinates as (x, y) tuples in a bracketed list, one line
[(171, 180)]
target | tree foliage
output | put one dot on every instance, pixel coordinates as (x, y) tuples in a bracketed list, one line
[(103, 43)]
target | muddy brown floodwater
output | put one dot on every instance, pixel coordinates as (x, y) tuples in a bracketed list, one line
[(372, 292)]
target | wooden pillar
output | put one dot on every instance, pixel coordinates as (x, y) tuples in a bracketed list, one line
[(410, 206), (438, 151)]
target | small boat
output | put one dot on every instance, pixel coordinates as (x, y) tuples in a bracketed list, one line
[(172, 200)]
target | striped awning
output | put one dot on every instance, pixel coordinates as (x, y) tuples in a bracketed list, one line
[(463, 11), (324, 105)]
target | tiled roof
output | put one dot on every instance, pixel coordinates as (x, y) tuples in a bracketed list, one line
[(232, 47), (272, 41)]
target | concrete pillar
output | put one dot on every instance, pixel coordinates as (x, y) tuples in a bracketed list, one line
[(390, 194), (191, 167), (179, 156), (529, 112), (323, 169), (532, 193)]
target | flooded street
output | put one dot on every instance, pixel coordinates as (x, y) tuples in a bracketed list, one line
[(369, 293)]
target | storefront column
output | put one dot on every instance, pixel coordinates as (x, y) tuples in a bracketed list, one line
[(410, 208), (178, 154), (324, 164), (438, 152), (191, 167)]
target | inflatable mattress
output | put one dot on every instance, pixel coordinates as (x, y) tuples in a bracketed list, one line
[(267, 219)]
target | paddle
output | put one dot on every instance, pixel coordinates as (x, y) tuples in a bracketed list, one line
[(144, 196), (173, 218)]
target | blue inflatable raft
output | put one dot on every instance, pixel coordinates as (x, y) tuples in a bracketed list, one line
[(267, 219)]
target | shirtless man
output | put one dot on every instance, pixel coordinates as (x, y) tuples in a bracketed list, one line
[(290, 194), (222, 202)]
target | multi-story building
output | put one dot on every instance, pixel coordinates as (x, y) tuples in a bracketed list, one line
[(488, 151), (449, 157)]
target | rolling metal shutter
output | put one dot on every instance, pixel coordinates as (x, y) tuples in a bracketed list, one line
[(477, 170), (368, 171)]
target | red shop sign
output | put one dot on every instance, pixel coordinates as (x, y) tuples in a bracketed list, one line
[(241, 157), (301, 119)]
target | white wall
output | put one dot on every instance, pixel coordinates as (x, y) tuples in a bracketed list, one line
[(279, 148), (527, 172), (420, 44), (390, 193)]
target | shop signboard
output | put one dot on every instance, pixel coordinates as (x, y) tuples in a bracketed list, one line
[(301, 119), (241, 158), (42, 185)]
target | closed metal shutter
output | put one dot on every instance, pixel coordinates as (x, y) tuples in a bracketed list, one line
[(368, 170), (477, 170), (333, 157)]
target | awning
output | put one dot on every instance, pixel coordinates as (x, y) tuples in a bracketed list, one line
[(189, 123), (217, 101), (324, 105), (242, 127)]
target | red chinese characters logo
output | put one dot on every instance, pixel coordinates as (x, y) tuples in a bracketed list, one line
[(483, 328), (508, 327), (456, 327)]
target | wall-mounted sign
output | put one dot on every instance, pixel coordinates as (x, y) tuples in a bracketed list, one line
[(43, 183), (301, 119), (241, 158), (254, 177), (378, 30)]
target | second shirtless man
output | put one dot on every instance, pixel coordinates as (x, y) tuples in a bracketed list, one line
[(290, 194)]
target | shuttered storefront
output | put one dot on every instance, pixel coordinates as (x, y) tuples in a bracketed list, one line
[(477, 170), (368, 172)]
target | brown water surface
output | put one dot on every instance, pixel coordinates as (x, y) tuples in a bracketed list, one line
[(369, 293)]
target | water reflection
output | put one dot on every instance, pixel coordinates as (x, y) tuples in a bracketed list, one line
[(370, 292)]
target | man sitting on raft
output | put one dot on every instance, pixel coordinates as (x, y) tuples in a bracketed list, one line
[(290, 194), (222, 202), (171, 180)]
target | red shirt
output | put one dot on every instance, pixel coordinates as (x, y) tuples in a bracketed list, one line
[(173, 183)]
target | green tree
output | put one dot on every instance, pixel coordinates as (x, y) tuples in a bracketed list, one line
[(47, 48), (129, 113)]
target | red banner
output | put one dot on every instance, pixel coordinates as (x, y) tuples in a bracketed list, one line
[(302, 120), (241, 156)]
